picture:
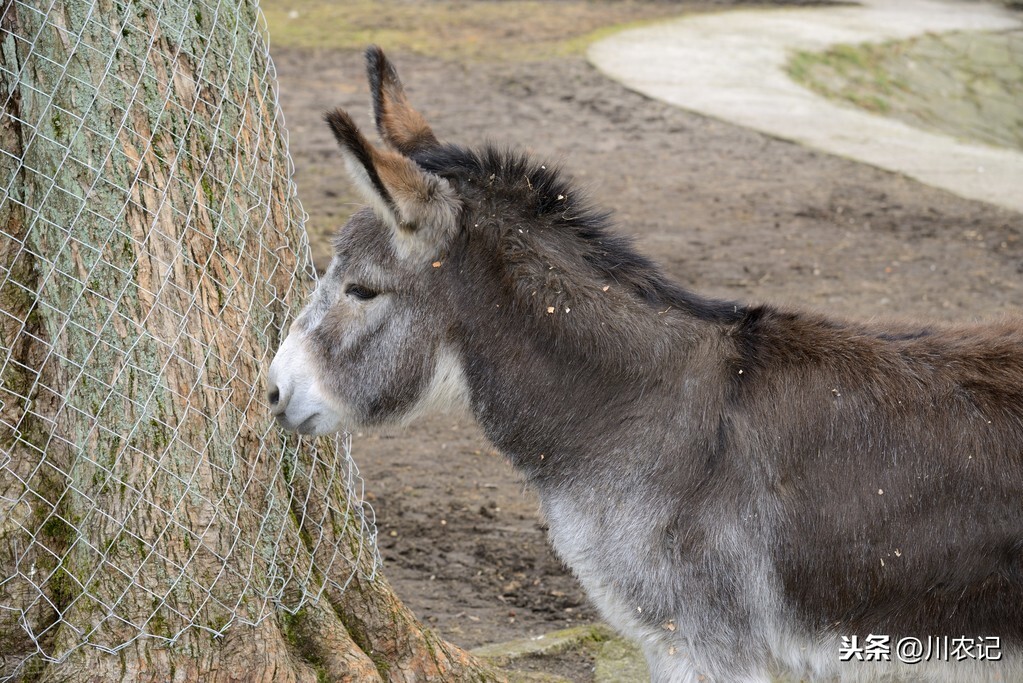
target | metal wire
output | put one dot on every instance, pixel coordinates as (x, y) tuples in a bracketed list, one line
[(143, 489)]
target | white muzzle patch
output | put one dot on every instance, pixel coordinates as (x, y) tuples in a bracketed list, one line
[(297, 398)]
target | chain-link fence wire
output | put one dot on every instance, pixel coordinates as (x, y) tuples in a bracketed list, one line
[(151, 249)]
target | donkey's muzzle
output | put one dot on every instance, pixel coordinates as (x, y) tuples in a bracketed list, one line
[(293, 392)]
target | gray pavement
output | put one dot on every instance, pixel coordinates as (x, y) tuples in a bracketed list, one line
[(730, 65)]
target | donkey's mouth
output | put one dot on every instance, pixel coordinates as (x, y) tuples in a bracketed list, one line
[(310, 426)]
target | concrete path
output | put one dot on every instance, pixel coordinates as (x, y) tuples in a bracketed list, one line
[(731, 66)]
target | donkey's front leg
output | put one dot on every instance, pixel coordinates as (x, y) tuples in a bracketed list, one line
[(669, 664)]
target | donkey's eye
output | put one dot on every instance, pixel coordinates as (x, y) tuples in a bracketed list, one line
[(360, 292)]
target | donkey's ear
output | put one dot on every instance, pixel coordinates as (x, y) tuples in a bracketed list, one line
[(421, 207), (399, 124)]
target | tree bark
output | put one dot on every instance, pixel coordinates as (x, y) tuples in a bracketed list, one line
[(153, 525)]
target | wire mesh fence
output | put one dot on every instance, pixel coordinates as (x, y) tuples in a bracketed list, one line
[(151, 248)]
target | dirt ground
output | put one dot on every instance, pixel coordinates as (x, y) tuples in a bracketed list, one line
[(726, 211)]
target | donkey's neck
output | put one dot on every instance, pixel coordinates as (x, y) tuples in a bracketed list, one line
[(555, 410), (572, 343)]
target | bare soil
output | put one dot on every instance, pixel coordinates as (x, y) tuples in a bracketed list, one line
[(726, 211)]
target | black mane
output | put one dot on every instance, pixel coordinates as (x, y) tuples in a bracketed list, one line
[(552, 196)]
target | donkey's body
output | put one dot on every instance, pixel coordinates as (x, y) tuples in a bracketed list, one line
[(736, 487)]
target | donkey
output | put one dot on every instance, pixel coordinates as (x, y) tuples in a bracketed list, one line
[(741, 489)]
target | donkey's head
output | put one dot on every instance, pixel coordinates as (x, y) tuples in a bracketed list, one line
[(476, 255), (369, 347)]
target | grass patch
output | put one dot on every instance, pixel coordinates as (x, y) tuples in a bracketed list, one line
[(854, 73), (470, 30), (968, 85)]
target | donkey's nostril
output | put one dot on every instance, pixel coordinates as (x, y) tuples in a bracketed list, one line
[(274, 395)]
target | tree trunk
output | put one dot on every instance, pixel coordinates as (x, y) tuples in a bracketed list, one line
[(154, 526)]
